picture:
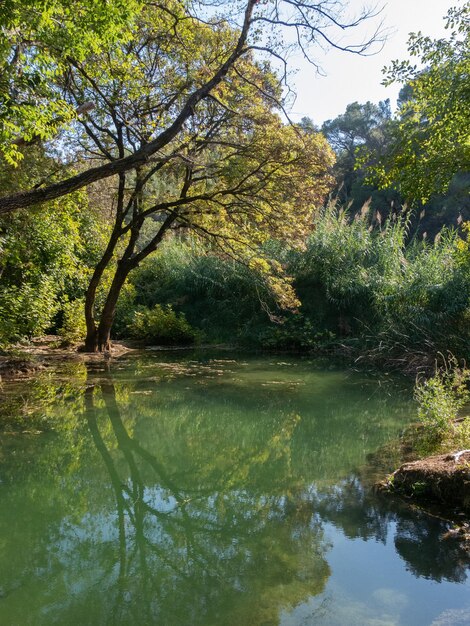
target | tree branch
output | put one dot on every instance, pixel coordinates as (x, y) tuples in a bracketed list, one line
[(38, 196)]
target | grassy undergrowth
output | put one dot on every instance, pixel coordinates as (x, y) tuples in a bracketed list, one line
[(444, 411), (372, 292)]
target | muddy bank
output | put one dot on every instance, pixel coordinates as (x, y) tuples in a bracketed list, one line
[(440, 487), (444, 479), (14, 366), (44, 352)]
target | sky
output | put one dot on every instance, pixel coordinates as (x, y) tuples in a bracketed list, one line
[(351, 78)]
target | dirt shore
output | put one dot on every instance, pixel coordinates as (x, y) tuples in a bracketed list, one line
[(437, 484), (26, 360)]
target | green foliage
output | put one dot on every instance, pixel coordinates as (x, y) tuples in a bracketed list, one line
[(359, 285), (367, 282), (26, 310), (364, 137), (73, 328), (440, 399), (294, 332), (45, 259), (431, 142), (429, 289), (224, 299), (39, 38), (342, 270), (161, 326), (125, 310), (362, 128)]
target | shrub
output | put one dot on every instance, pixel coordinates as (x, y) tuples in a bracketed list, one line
[(370, 285), (296, 332), (46, 258), (161, 326), (397, 294), (27, 310), (217, 295), (440, 399), (346, 267), (73, 327), (125, 310)]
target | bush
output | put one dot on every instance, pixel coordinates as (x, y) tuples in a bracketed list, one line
[(217, 295), (440, 399), (47, 256), (369, 284), (73, 329), (125, 310), (345, 269), (161, 326), (375, 283), (26, 311), (295, 333)]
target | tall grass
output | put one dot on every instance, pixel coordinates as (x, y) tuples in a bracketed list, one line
[(218, 296), (394, 294), (363, 285)]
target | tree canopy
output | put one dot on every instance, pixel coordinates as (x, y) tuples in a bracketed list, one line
[(361, 129), (432, 139), (234, 174), (263, 28), (39, 39)]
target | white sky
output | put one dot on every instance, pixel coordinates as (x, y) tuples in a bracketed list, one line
[(351, 78)]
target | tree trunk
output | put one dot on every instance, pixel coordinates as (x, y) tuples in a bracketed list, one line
[(91, 340), (103, 333), (98, 339)]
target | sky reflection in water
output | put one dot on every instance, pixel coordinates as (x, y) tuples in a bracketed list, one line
[(213, 491)]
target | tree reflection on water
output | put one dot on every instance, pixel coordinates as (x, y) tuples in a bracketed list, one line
[(189, 501), (211, 548), (418, 536)]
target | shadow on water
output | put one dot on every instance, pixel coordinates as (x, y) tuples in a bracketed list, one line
[(353, 508), (178, 499)]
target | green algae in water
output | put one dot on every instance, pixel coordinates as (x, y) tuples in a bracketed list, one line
[(217, 491)]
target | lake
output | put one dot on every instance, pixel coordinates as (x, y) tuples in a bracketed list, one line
[(186, 488)]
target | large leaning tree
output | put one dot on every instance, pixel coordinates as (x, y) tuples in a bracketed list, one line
[(40, 42), (234, 175), (181, 112)]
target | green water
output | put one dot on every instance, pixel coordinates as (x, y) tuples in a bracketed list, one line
[(184, 490)]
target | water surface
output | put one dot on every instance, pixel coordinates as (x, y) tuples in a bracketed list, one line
[(182, 489)]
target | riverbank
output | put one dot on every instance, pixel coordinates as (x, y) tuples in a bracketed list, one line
[(438, 485), (25, 360), (442, 479)]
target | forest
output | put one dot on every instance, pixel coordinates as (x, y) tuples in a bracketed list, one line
[(241, 227), (292, 300)]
